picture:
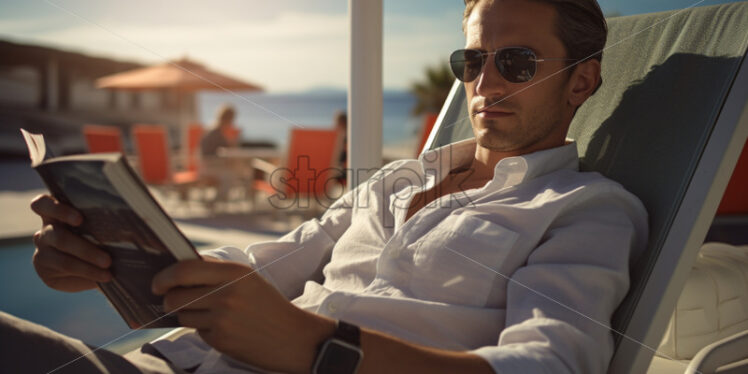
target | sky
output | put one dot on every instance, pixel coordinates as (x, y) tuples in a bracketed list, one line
[(282, 45)]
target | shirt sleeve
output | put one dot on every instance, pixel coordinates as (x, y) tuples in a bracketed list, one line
[(559, 304), (288, 262)]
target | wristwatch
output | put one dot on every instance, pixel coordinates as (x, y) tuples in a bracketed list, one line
[(341, 354)]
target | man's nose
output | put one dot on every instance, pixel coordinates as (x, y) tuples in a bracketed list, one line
[(490, 83)]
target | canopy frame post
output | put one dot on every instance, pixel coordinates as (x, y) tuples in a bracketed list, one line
[(364, 91)]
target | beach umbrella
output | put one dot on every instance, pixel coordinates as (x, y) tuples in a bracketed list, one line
[(183, 75)]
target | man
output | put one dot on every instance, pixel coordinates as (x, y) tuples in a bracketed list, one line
[(488, 255)]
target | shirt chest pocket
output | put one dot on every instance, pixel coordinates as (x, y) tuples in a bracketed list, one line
[(458, 261)]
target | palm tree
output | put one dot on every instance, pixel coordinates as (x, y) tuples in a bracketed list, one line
[(430, 95), (431, 92)]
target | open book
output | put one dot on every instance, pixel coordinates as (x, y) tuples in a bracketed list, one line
[(121, 217)]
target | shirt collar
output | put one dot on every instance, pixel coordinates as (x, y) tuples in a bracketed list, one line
[(510, 171)]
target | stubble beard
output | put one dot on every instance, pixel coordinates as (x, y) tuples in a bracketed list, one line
[(503, 137), (491, 136)]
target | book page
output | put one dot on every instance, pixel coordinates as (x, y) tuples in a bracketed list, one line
[(37, 147)]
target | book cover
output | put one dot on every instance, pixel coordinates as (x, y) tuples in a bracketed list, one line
[(121, 217)]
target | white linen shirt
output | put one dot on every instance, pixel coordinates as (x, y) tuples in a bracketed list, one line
[(525, 271)]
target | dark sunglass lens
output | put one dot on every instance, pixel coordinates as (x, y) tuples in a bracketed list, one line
[(517, 65), (466, 64)]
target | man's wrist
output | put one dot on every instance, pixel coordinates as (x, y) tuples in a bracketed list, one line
[(314, 333), (341, 353)]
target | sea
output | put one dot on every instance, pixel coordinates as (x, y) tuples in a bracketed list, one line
[(270, 116)]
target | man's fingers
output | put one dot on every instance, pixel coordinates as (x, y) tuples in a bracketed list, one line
[(70, 283), (199, 319), (55, 237), (50, 209), (192, 298), (57, 264), (197, 273)]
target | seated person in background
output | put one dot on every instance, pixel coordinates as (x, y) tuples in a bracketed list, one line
[(221, 172), (493, 254), (219, 134)]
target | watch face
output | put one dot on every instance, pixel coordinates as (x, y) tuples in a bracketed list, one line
[(338, 357)]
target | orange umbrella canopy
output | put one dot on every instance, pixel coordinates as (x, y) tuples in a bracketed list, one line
[(182, 75)]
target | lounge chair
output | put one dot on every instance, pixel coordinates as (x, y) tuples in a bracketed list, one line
[(192, 146), (309, 173), (428, 124), (669, 124), (735, 199), (710, 318), (154, 160), (102, 139)]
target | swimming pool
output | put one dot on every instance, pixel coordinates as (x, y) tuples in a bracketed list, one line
[(84, 315)]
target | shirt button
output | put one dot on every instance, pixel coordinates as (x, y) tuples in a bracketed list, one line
[(332, 307)]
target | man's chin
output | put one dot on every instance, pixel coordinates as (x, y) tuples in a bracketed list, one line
[(495, 145)]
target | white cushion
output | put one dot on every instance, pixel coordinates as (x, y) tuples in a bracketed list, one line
[(713, 304)]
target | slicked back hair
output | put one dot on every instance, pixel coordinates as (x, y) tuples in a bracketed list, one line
[(580, 25)]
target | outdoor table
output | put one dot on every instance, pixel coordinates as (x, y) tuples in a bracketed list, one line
[(241, 163)]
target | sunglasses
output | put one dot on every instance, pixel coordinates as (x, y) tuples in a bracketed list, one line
[(516, 64)]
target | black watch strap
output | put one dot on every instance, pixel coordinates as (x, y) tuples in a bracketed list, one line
[(341, 353), (348, 333)]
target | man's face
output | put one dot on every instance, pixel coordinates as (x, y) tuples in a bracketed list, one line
[(537, 117)]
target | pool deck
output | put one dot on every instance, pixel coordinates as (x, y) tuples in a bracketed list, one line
[(233, 225)]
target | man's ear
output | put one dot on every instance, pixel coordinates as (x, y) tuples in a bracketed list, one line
[(584, 82)]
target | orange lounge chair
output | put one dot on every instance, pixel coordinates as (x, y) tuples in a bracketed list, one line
[(192, 151), (309, 171), (735, 199), (152, 147), (102, 139), (428, 124)]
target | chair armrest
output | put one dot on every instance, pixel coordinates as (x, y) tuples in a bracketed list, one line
[(722, 352), (264, 166)]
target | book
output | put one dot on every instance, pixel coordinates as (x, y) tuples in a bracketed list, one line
[(121, 217)]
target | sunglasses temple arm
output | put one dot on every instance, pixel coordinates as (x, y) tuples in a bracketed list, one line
[(554, 59)]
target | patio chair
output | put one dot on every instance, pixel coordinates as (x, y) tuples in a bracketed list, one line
[(192, 147), (103, 139), (668, 123), (154, 160), (309, 174)]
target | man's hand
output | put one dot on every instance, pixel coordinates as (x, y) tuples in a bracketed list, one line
[(63, 260), (238, 313)]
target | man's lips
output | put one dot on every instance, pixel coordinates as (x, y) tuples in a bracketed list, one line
[(488, 112)]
